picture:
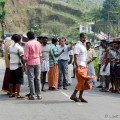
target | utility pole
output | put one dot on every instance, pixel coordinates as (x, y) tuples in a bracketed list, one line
[(109, 21)]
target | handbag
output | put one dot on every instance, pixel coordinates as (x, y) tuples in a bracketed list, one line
[(106, 72)]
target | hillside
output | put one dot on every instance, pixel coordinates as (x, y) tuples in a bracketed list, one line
[(45, 16)]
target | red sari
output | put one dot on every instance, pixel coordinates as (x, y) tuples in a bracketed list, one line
[(5, 86)]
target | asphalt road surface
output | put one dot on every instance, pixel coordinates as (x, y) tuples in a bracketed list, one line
[(56, 105)]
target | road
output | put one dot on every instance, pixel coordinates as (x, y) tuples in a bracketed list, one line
[(56, 105)]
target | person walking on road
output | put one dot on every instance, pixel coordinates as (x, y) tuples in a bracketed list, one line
[(80, 57)]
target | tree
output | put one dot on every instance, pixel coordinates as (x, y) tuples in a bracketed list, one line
[(109, 5), (2, 14), (54, 27)]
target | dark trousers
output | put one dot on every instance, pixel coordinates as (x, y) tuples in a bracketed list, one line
[(63, 73)]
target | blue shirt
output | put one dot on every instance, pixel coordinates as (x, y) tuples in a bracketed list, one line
[(65, 54)]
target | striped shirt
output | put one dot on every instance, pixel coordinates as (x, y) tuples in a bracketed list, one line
[(54, 51), (15, 51)]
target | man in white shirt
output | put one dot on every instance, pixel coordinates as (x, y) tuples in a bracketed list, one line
[(80, 58)]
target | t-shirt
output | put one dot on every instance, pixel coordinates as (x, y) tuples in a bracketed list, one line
[(15, 51), (45, 52)]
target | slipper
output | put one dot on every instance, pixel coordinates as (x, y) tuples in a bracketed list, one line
[(75, 99), (82, 100), (27, 95), (19, 97), (31, 98), (104, 90), (11, 96), (43, 90), (39, 97)]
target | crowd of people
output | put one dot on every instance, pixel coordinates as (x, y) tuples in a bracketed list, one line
[(41, 61), (109, 66)]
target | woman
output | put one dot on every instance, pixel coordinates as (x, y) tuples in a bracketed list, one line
[(5, 86)]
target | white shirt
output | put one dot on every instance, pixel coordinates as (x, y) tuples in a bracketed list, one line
[(81, 51), (15, 51)]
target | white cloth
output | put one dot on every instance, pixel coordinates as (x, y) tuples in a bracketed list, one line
[(44, 66), (91, 71), (81, 51), (106, 72), (15, 51), (70, 70)]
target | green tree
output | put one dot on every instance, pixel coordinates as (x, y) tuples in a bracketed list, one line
[(2, 14), (54, 27), (109, 5)]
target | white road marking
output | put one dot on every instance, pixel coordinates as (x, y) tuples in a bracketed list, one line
[(69, 98)]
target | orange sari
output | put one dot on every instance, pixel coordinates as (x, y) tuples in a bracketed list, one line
[(53, 76), (83, 79)]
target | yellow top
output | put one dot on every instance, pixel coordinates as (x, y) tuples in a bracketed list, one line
[(7, 44)]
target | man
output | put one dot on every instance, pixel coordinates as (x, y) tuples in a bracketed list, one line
[(33, 53), (80, 58), (100, 55), (63, 64), (17, 65), (46, 51), (91, 56), (53, 62)]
